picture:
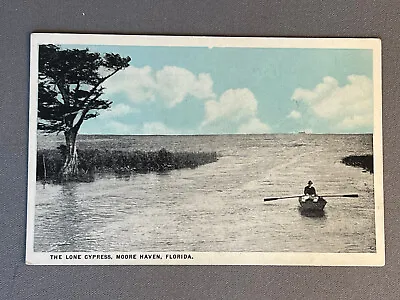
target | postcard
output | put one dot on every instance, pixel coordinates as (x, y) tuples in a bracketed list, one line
[(189, 150)]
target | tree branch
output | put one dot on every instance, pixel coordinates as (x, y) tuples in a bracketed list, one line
[(84, 112), (78, 85), (63, 92), (90, 101)]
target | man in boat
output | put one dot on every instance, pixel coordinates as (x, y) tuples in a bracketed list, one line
[(310, 193)]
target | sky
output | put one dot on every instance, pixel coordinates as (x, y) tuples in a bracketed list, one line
[(200, 90)]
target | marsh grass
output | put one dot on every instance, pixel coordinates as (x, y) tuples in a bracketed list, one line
[(361, 161), (92, 161)]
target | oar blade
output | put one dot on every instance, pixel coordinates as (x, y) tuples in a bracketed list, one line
[(351, 195), (271, 199), (341, 195), (278, 198)]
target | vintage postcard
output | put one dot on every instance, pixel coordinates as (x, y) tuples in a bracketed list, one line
[(171, 150)]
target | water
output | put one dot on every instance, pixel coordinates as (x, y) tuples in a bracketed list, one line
[(218, 206)]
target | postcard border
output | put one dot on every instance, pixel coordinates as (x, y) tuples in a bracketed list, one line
[(213, 258)]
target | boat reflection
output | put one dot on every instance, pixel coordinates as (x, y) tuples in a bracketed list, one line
[(312, 213)]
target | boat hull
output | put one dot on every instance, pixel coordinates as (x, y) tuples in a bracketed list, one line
[(311, 205)]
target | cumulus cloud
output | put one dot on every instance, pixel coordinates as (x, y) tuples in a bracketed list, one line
[(148, 128), (233, 104), (137, 83), (174, 84), (156, 128), (234, 111), (235, 108), (349, 106), (118, 110), (294, 114), (115, 127), (171, 84), (253, 125)]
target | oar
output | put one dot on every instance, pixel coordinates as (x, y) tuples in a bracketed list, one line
[(325, 196), (345, 195), (285, 197)]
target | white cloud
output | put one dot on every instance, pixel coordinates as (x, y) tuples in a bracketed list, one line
[(253, 125), (157, 128), (118, 110), (349, 107), (115, 127), (137, 83), (294, 114), (172, 84), (356, 121), (149, 128), (236, 108), (234, 104)]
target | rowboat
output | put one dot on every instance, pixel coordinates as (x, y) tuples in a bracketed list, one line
[(311, 206), (308, 203)]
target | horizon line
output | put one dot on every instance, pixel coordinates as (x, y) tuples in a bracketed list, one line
[(216, 134)]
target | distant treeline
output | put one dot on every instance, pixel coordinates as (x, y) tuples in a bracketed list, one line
[(362, 161), (50, 162)]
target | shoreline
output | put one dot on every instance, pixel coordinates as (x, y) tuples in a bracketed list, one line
[(366, 162), (95, 161)]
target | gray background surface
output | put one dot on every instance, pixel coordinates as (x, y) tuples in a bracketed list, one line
[(292, 18)]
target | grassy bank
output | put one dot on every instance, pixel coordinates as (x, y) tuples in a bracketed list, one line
[(362, 161), (90, 162)]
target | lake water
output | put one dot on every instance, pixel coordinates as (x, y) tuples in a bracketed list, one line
[(218, 206)]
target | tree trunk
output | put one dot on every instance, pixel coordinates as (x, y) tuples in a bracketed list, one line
[(69, 170)]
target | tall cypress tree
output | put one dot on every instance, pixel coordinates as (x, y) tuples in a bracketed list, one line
[(69, 92)]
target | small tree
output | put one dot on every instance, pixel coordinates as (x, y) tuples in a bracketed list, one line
[(69, 93)]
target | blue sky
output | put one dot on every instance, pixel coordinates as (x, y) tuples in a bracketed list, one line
[(200, 90)]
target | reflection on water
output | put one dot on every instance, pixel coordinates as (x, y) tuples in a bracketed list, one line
[(219, 206), (312, 213), (126, 176)]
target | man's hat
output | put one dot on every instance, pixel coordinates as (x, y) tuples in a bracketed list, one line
[(310, 182)]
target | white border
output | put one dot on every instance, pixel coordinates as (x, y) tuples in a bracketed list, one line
[(212, 258)]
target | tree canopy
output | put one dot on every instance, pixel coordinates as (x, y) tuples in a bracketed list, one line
[(70, 90)]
